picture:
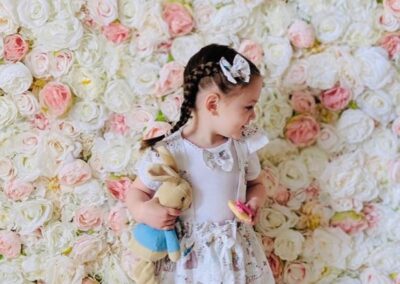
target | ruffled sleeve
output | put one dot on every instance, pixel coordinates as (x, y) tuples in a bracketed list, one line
[(149, 158), (254, 142)]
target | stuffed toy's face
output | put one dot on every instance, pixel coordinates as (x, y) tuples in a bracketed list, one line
[(175, 194)]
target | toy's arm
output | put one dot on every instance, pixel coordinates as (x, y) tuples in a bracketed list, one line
[(172, 245)]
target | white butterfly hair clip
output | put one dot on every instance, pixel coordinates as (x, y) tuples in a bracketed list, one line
[(239, 69)]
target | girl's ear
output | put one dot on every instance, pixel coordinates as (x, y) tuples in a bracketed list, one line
[(212, 102)]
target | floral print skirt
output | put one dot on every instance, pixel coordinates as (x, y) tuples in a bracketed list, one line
[(227, 252)]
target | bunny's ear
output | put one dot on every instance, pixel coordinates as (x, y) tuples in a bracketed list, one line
[(167, 157), (162, 172)]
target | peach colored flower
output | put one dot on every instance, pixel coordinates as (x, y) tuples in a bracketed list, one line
[(118, 188), (40, 121), (117, 123), (56, 97), (252, 51), (303, 101), (10, 244), (393, 6), (391, 43), (118, 219), (171, 78), (336, 98), (350, 222), (18, 189), (301, 34), (371, 215), (87, 218), (74, 173), (156, 129), (178, 19), (296, 273), (276, 265), (302, 130), (396, 126), (15, 47), (116, 32)]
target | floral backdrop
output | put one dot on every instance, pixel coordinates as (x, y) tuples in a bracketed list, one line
[(81, 82)]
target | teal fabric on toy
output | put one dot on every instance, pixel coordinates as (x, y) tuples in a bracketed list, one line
[(156, 240)]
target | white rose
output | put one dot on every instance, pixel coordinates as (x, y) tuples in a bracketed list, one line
[(372, 276), (67, 7), (382, 143), (118, 96), (11, 273), (349, 72), (114, 272), (60, 62), (309, 7), (8, 112), (63, 270), (361, 250), (33, 267), (388, 21), (203, 13), (275, 219), (297, 273), (132, 13), (7, 169), (67, 128), (329, 245), (359, 9), (315, 159), (87, 248), (103, 12), (58, 237), (376, 70), (385, 258), (230, 18), (112, 60), (293, 174), (88, 116), (277, 151), (322, 71), (8, 24), (15, 78), (354, 126), (296, 74), (329, 25), (85, 83), (90, 50), (347, 280), (278, 17), (377, 104), (184, 47), (361, 34), (114, 152), (27, 166), (38, 62), (276, 112), (288, 244), (32, 214), (26, 103), (171, 105), (26, 142), (143, 77), (329, 140), (277, 55), (59, 34), (90, 193), (33, 13)]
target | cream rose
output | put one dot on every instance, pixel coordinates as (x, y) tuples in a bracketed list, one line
[(296, 74), (85, 83), (277, 55), (288, 244), (15, 78), (275, 219), (27, 166), (143, 77), (11, 273), (371, 275), (184, 47), (388, 21), (26, 103), (74, 173), (38, 61), (103, 12), (349, 73), (7, 169), (17, 189), (8, 23), (377, 104), (278, 151), (132, 13), (297, 273), (171, 106), (60, 62), (329, 25), (354, 126), (382, 143), (361, 34), (275, 114), (329, 140), (8, 112), (278, 18), (64, 270), (58, 236), (322, 71), (90, 193), (32, 214), (88, 115), (33, 13), (315, 159), (118, 96), (87, 248), (90, 51), (89, 218), (229, 18), (293, 174), (301, 34)]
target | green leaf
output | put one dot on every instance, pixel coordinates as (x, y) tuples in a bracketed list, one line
[(379, 1), (1, 256), (160, 116), (353, 105), (170, 58)]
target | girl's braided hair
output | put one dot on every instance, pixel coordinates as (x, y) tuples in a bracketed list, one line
[(202, 69)]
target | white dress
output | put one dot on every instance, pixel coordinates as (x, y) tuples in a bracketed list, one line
[(215, 247)]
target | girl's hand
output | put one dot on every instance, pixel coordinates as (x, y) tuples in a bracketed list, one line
[(254, 204), (157, 216)]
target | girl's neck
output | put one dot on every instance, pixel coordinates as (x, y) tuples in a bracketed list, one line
[(201, 134)]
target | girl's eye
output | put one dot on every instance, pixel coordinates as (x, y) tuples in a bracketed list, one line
[(249, 107)]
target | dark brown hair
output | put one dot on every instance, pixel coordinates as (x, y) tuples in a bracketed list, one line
[(202, 69)]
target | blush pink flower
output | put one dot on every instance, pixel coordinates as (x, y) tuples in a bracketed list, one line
[(119, 187), (178, 19), (392, 6), (74, 173), (301, 34), (89, 218), (296, 273), (118, 219), (15, 47), (171, 78), (18, 189), (396, 126), (276, 265), (40, 121), (116, 32), (156, 129), (302, 130), (303, 101), (391, 43), (117, 124), (10, 244), (56, 97), (350, 222), (371, 214), (336, 98), (252, 51)]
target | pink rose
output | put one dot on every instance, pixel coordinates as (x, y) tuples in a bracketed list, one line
[(15, 47), (302, 130), (156, 129), (336, 98), (139, 118), (61, 62), (118, 219), (178, 19), (393, 6), (391, 43), (56, 97), (252, 51), (18, 189), (171, 106), (275, 190), (40, 121), (103, 12), (74, 173), (87, 218), (303, 101), (301, 34), (118, 188), (87, 248), (268, 245), (116, 32), (117, 124), (312, 191), (171, 78), (350, 222), (296, 273), (396, 126), (10, 244), (276, 265)]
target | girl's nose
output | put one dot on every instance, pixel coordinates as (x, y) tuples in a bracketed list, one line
[(252, 115)]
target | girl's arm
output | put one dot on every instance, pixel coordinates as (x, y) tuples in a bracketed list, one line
[(148, 210), (256, 194)]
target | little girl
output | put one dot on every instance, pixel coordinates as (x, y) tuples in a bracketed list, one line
[(216, 153)]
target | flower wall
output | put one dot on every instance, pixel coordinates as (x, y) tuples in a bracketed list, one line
[(81, 82)]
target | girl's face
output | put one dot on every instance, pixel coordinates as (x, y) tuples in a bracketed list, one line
[(237, 109)]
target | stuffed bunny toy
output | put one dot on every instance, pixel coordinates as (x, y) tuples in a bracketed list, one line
[(150, 244)]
